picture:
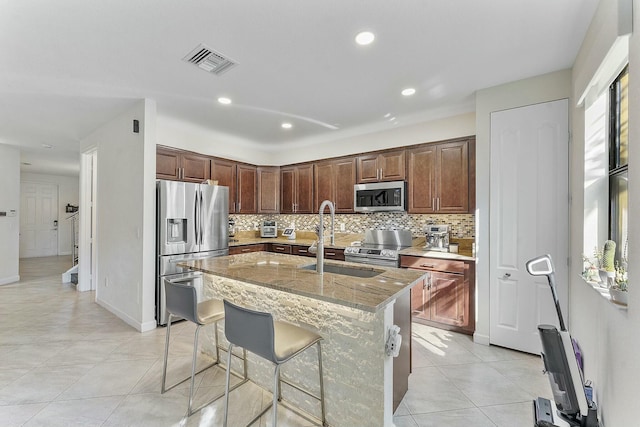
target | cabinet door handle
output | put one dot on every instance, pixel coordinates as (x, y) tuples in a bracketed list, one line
[(438, 203), (330, 253), (246, 250), (427, 265), (433, 203), (279, 248), (302, 251)]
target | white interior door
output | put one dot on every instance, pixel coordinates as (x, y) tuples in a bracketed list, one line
[(529, 217), (38, 220)]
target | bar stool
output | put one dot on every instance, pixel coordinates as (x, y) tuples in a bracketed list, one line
[(275, 341), (182, 301)]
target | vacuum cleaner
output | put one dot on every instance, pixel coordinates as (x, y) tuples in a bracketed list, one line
[(560, 363)]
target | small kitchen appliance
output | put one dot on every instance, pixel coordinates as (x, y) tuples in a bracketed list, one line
[(380, 197), (437, 238), (269, 229), (232, 230)]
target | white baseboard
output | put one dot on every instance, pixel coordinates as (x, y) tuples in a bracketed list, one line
[(8, 280), (481, 339), (141, 327)]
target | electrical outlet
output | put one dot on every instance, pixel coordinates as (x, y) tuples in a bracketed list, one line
[(342, 227)]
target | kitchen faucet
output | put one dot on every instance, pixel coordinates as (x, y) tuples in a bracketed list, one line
[(320, 231)]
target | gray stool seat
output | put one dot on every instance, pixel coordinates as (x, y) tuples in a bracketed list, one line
[(290, 340), (275, 341), (182, 301), (210, 311)]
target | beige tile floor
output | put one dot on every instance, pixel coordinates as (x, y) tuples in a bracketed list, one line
[(65, 361)]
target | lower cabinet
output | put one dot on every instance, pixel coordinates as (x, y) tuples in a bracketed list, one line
[(245, 249), (333, 253), (445, 297), (301, 251), (280, 249)]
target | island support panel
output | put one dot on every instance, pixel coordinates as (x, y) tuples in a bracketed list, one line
[(358, 376)]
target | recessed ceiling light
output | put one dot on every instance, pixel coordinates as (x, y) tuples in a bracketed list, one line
[(286, 125), (47, 145), (408, 91), (365, 37), (223, 100)]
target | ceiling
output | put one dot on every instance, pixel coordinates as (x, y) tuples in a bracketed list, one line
[(71, 65)]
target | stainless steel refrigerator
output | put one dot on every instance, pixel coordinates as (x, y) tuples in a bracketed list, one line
[(192, 222)]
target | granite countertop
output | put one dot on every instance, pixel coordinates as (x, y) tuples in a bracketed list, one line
[(282, 272)]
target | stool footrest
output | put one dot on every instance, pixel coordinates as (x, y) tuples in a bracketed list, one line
[(297, 387)]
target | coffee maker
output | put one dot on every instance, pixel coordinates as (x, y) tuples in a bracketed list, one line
[(437, 238)]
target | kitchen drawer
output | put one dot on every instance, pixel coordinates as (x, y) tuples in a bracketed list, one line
[(280, 249), (301, 251), (331, 253), (435, 264), (244, 249)]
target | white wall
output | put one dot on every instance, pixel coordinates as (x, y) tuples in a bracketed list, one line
[(9, 226), (125, 215), (548, 87), (68, 192), (608, 335), (181, 134)]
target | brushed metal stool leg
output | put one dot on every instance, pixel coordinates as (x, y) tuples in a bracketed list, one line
[(276, 392), (228, 380), (193, 368), (324, 420), (166, 356)]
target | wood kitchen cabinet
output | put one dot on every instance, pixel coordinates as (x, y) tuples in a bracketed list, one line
[(280, 248), (179, 165), (245, 249), (224, 171), (268, 189), (302, 251), (242, 180), (334, 181), (445, 297), (296, 189), (247, 189), (438, 178), (383, 166)]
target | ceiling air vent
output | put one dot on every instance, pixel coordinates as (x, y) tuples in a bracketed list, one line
[(208, 60)]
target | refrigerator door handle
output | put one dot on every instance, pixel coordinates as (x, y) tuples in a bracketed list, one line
[(202, 217), (196, 217)]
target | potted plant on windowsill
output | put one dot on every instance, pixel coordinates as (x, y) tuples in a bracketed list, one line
[(608, 266), (619, 292)]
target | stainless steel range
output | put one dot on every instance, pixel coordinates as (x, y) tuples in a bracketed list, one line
[(379, 247)]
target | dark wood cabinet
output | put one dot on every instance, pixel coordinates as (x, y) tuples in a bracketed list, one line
[(247, 188), (181, 165), (224, 171), (333, 253), (268, 189), (334, 181), (445, 297), (245, 249), (438, 177), (280, 248), (296, 189), (301, 251), (384, 166)]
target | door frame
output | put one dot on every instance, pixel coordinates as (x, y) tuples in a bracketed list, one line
[(87, 248)]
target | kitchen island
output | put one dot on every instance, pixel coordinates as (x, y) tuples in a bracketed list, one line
[(351, 312)]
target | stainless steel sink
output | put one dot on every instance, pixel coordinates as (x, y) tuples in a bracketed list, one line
[(345, 271)]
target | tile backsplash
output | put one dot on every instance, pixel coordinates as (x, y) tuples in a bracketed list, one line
[(462, 225)]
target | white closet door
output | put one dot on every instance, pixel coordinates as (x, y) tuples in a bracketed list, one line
[(529, 217)]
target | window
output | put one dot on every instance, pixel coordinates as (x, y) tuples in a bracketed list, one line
[(618, 162)]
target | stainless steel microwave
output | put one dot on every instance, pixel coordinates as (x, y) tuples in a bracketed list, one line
[(380, 197)]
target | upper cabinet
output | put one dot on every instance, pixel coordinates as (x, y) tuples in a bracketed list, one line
[(438, 178), (247, 189), (296, 189), (334, 181), (181, 165), (224, 171), (384, 166), (269, 189), (242, 180)]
